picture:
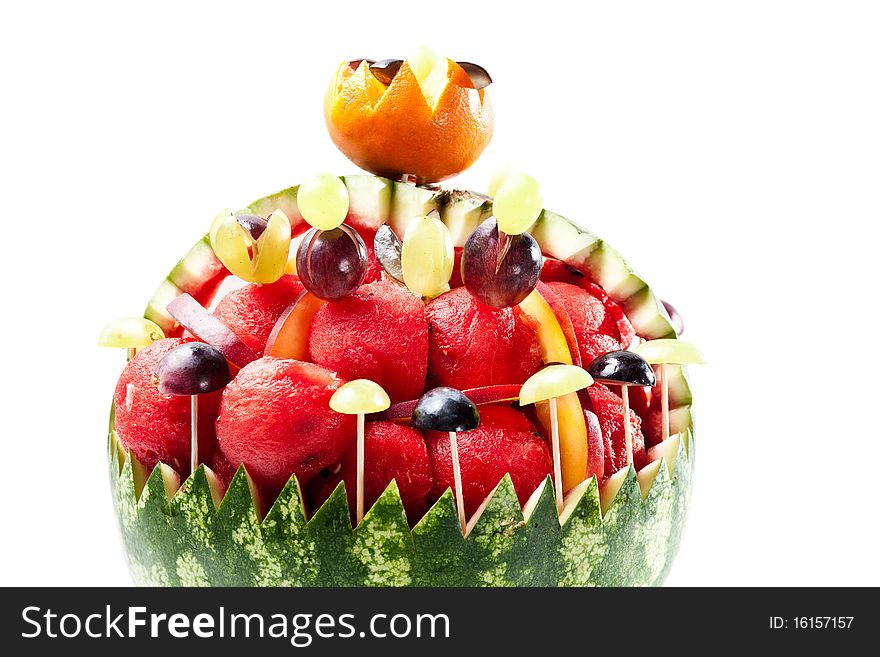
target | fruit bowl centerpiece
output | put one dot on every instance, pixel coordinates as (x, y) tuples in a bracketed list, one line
[(435, 389)]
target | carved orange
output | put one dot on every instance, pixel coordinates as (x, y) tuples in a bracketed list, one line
[(393, 131)]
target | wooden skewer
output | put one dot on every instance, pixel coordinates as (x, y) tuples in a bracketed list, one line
[(194, 432), (360, 397), (627, 429), (360, 467), (131, 351), (456, 474), (664, 399)]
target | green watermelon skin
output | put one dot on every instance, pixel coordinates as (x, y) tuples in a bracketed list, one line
[(187, 541)]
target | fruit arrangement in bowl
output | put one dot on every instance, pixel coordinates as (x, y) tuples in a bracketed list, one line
[(373, 380)]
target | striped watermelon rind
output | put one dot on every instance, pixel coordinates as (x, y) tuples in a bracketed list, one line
[(187, 541)]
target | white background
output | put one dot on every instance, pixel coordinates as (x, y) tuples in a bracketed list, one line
[(730, 150)]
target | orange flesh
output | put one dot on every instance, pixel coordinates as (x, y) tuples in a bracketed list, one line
[(290, 337)]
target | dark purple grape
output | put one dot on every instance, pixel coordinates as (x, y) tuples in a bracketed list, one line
[(675, 318), (253, 224), (445, 409), (622, 368), (193, 368), (332, 263), (497, 269), (478, 75), (385, 70), (388, 249)]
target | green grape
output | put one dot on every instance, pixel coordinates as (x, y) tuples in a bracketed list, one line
[(129, 333), (360, 396), (554, 381), (517, 203), (432, 72), (271, 250), (427, 256), (323, 201), (256, 261), (669, 352), (498, 177)]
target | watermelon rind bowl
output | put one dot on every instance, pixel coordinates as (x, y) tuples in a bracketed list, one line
[(188, 535)]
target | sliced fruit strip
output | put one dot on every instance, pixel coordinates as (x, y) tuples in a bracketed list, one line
[(564, 320), (573, 438), (479, 396), (573, 446), (202, 324), (553, 341), (290, 335)]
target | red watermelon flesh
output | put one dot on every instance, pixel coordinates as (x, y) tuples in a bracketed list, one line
[(378, 333), (275, 418), (156, 426), (473, 345)]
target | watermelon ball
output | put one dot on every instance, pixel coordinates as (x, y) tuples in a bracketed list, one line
[(275, 419), (609, 408), (599, 324), (472, 345), (156, 426), (251, 311), (378, 333), (391, 451), (505, 442)]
